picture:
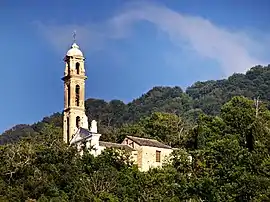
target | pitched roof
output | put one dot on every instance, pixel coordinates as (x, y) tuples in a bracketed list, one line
[(81, 134), (116, 145), (84, 132), (148, 142)]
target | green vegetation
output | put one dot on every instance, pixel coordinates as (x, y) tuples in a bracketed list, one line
[(216, 122)]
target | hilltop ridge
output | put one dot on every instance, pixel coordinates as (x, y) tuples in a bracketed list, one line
[(222, 157), (201, 97)]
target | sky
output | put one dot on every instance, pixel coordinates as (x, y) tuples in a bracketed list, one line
[(130, 46)]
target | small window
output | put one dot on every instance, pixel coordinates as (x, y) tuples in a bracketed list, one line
[(68, 68), (78, 119), (78, 68), (68, 97), (67, 130), (131, 144), (77, 98), (157, 156)]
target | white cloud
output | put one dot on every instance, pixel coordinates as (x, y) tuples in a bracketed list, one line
[(232, 50)]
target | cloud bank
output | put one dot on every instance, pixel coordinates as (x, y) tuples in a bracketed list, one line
[(234, 51)]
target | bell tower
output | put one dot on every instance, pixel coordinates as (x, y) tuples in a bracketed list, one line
[(74, 93)]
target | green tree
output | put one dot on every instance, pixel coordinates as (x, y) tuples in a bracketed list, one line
[(166, 127)]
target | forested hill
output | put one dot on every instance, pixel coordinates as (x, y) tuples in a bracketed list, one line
[(206, 97), (230, 151)]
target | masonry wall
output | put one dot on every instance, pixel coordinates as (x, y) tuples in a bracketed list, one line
[(138, 148), (148, 155)]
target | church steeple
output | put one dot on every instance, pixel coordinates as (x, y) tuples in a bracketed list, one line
[(74, 92)]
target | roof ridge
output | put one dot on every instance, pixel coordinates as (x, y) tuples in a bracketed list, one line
[(143, 138), (148, 142)]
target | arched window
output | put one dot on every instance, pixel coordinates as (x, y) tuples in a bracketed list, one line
[(68, 89), (68, 68), (78, 68), (77, 91), (78, 119), (67, 130)]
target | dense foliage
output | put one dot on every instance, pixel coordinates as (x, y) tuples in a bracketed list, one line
[(227, 136), (202, 97)]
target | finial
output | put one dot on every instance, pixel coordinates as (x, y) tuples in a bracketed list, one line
[(74, 36)]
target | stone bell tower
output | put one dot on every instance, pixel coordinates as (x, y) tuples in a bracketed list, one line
[(74, 93)]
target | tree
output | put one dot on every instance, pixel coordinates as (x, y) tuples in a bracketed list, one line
[(242, 118), (166, 127)]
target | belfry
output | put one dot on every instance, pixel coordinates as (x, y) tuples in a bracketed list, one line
[(74, 93), (144, 152)]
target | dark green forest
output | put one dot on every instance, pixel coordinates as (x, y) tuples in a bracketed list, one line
[(224, 125)]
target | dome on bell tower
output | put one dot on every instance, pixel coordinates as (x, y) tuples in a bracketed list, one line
[(74, 51)]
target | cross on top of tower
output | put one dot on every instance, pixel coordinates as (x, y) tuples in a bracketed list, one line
[(74, 49), (74, 36)]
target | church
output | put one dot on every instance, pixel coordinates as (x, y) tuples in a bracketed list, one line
[(146, 153)]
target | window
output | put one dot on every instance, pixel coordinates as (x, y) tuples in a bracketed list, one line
[(68, 68), (78, 68), (68, 130), (68, 89), (78, 119), (131, 144), (77, 91), (157, 156)]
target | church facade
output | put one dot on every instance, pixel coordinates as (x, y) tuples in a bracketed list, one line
[(146, 153)]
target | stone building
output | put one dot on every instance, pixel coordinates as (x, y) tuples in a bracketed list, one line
[(146, 153)]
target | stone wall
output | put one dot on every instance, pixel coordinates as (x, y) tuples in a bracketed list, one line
[(149, 157)]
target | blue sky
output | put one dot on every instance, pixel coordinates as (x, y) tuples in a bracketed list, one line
[(130, 46)]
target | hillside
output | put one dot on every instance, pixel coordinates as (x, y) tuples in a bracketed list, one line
[(230, 151), (206, 97)]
